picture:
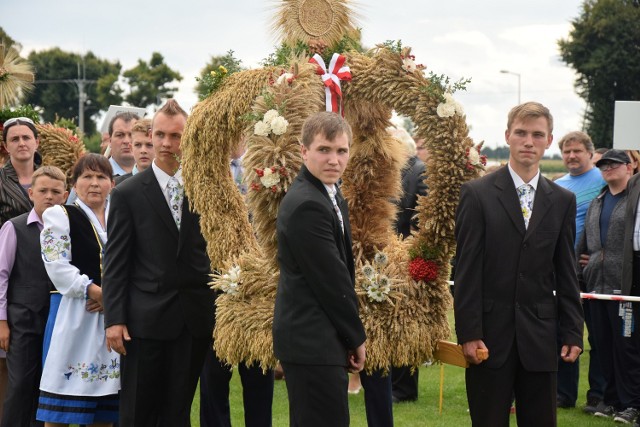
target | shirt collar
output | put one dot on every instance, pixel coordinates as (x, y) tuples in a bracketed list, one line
[(163, 177), (331, 189), (33, 217), (117, 169), (519, 181)]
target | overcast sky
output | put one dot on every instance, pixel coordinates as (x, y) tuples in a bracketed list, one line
[(473, 39)]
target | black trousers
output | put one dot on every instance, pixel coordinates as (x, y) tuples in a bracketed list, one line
[(619, 356), (404, 383), (490, 393), (24, 364), (159, 379), (317, 395), (377, 398), (257, 394)]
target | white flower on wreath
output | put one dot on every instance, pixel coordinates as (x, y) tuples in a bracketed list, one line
[(279, 125), (231, 280), (449, 107), (262, 128), (270, 115), (270, 178), (409, 65), (474, 156), (286, 77)]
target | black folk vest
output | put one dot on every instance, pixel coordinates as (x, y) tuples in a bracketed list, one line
[(29, 283)]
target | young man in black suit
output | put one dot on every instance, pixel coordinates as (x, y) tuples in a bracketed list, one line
[(516, 280), (317, 333), (159, 310)]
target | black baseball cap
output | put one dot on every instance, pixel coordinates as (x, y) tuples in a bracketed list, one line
[(613, 156)]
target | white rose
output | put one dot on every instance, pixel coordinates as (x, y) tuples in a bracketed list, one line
[(270, 178), (262, 129), (448, 98), (459, 109), (445, 110), (279, 125), (474, 156), (408, 65), (270, 115), (284, 78)]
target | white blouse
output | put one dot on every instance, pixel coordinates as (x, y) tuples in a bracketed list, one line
[(78, 363)]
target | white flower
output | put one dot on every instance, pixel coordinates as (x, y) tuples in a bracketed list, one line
[(279, 125), (459, 109), (262, 129), (234, 274), (409, 65), (380, 258), (230, 288), (474, 156), (286, 77), (270, 178), (445, 110), (270, 115), (374, 294), (368, 271)]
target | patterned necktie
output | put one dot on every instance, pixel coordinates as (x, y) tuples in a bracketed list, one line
[(332, 196), (525, 194), (176, 195)]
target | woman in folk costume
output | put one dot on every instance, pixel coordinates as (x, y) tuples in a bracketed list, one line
[(80, 379)]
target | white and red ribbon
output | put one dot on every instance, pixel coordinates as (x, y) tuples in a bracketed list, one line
[(331, 79)]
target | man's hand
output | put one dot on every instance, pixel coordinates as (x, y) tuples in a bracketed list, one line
[(469, 350), (569, 353), (584, 260), (116, 336), (356, 359), (4, 335)]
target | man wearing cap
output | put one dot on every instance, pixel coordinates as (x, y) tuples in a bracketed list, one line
[(585, 181), (601, 259)]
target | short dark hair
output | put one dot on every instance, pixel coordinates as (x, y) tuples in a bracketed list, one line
[(30, 125), (126, 117), (325, 123), (94, 162)]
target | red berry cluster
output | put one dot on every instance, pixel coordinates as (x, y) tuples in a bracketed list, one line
[(425, 270)]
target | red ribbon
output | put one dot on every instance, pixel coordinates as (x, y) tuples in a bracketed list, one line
[(331, 79)]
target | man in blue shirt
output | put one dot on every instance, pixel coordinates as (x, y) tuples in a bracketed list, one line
[(586, 182)]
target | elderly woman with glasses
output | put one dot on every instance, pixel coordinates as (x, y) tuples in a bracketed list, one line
[(20, 139)]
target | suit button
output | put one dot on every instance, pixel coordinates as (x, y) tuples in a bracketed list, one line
[(521, 275), (525, 246)]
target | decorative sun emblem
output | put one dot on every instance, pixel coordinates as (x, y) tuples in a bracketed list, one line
[(328, 20), (16, 76)]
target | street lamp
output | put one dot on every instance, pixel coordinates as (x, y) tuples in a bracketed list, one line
[(515, 74)]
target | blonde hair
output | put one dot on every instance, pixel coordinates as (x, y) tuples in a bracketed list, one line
[(142, 126), (529, 110), (51, 172)]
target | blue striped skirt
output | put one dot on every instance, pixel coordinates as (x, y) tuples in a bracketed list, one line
[(56, 408)]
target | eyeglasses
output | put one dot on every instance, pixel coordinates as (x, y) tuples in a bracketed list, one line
[(16, 119), (607, 166)]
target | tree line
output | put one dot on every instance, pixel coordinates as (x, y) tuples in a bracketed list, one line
[(603, 47)]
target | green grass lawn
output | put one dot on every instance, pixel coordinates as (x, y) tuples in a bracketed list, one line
[(423, 412)]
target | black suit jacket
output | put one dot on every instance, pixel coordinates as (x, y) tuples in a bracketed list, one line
[(155, 278), (413, 185), (506, 275), (316, 311)]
